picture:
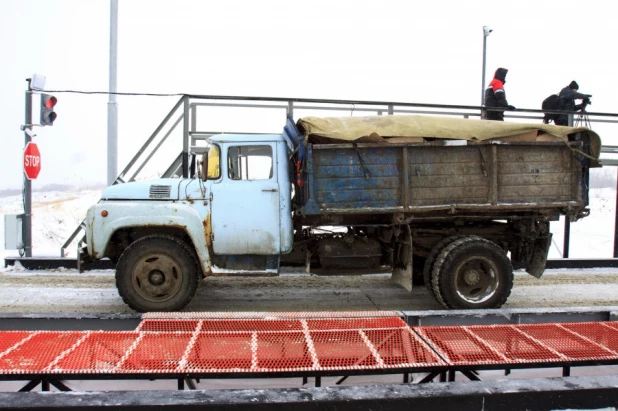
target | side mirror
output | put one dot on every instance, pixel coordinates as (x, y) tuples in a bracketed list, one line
[(204, 167)]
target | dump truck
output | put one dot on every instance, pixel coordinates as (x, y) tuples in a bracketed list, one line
[(456, 204)]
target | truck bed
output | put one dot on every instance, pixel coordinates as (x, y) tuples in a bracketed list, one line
[(432, 178)]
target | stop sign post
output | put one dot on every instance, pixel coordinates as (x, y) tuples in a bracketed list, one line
[(32, 161)]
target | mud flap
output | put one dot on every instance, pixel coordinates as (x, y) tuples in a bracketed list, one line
[(538, 260), (402, 264)]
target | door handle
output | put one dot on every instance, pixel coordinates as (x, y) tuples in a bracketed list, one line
[(270, 190)]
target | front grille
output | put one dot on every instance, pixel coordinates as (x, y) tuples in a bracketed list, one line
[(160, 191)]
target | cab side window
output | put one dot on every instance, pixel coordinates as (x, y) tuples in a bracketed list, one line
[(250, 162)]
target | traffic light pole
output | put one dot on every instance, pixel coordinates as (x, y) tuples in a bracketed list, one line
[(27, 221)]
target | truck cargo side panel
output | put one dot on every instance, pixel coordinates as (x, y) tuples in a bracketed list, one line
[(447, 175), (417, 178), (529, 174), (345, 178)]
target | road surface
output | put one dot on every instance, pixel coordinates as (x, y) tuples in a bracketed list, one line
[(95, 292)]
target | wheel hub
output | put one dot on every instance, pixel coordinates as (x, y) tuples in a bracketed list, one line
[(156, 277), (471, 277)]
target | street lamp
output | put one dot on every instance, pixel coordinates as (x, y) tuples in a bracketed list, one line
[(486, 31)]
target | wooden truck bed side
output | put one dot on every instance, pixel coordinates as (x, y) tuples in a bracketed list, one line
[(424, 178)]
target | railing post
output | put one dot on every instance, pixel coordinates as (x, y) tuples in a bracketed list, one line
[(567, 237), (616, 220), (185, 140), (290, 111)]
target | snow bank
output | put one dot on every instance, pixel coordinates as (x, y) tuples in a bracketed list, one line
[(55, 215)]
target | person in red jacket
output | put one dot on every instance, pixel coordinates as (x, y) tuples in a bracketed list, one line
[(495, 96)]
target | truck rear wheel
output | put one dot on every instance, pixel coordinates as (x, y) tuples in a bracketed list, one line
[(157, 273), (431, 259), (472, 272)]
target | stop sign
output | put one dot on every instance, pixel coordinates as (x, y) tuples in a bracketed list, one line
[(32, 161)]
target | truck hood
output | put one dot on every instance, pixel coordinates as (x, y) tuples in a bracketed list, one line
[(160, 189)]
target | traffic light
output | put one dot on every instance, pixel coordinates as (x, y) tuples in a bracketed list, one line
[(48, 102)]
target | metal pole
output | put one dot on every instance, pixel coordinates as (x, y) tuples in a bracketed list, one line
[(567, 237), (567, 222), (112, 108), (27, 223), (616, 220), (484, 59), (185, 139)]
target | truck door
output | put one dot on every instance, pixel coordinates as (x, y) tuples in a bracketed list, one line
[(245, 204)]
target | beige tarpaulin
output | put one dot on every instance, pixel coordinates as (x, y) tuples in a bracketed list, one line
[(377, 127)]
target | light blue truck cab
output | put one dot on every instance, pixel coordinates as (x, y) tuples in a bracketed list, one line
[(166, 234)]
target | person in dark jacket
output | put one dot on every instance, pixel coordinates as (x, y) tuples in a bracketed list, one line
[(566, 102), (495, 96)]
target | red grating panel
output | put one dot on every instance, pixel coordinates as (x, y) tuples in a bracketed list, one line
[(99, 352), (10, 338), (157, 352), (268, 315), (277, 343), (283, 351), (354, 323), (571, 346), (168, 325), (458, 346), (399, 346), (38, 352), (342, 349), (514, 345), (220, 352), (599, 333), (252, 325), (611, 324)]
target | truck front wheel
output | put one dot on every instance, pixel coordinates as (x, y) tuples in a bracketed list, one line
[(472, 272), (157, 273)]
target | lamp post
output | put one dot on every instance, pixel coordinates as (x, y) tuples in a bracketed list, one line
[(112, 107), (486, 31)]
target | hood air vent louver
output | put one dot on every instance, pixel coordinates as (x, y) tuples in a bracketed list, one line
[(160, 191)]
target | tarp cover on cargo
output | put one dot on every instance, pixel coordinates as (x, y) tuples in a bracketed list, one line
[(395, 128)]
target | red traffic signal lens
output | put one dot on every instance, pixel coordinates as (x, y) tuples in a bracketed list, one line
[(51, 102)]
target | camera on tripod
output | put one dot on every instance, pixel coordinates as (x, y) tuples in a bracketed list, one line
[(586, 101)]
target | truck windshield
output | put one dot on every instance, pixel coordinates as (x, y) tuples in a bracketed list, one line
[(250, 162)]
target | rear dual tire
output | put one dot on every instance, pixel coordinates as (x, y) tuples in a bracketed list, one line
[(470, 273)]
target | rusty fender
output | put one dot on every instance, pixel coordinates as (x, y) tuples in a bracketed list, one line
[(121, 215)]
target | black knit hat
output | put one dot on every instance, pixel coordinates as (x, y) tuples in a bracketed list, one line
[(574, 85)]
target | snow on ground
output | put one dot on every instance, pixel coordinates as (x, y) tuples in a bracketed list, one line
[(55, 215)]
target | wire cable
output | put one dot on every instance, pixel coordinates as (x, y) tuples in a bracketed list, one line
[(116, 93)]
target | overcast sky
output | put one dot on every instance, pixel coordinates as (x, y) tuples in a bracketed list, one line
[(387, 50)]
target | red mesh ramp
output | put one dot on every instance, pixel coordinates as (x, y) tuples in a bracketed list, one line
[(156, 353), (570, 345), (98, 352), (268, 315), (10, 338), (217, 343), (38, 352), (527, 343), (273, 342), (458, 345), (600, 333)]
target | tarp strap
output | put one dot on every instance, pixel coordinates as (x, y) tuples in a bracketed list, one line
[(365, 170)]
